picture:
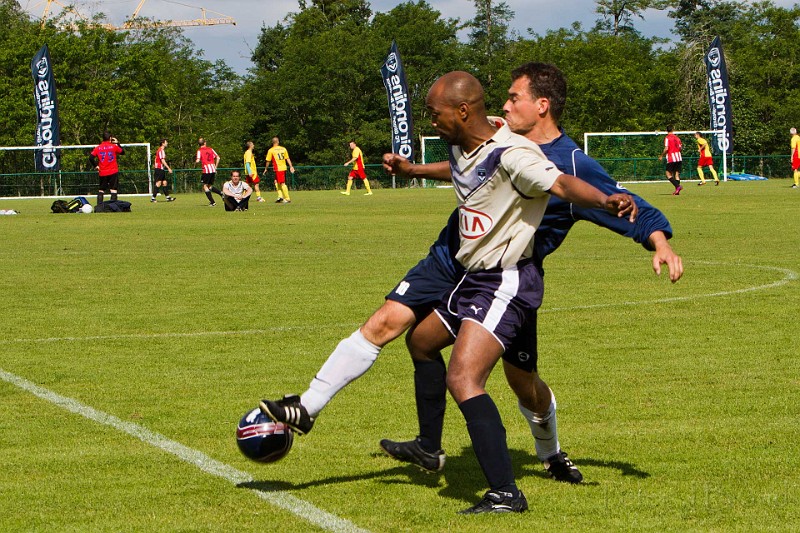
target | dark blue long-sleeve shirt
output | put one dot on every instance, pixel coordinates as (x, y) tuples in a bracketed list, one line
[(560, 216)]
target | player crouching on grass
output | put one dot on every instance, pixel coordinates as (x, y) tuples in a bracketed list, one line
[(236, 193)]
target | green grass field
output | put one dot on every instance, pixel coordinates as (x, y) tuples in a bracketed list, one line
[(163, 326)]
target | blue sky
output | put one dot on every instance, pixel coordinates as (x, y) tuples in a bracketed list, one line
[(234, 44)]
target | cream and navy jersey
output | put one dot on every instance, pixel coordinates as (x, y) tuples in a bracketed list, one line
[(501, 188)]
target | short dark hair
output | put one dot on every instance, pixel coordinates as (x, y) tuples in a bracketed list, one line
[(106, 135), (162, 141), (670, 129), (545, 81)]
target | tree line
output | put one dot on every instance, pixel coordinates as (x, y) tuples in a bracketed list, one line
[(315, 78)]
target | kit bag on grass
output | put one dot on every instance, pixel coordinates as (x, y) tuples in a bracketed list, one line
[(73, 206), (116, 206)]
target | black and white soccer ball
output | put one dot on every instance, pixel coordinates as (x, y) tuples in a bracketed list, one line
[(261, 439)]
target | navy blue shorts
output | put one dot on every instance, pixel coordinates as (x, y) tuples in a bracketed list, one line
[(504, 301), (523, 352), (423, 287)]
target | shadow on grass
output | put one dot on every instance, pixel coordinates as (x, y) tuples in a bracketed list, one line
[(461, 479)]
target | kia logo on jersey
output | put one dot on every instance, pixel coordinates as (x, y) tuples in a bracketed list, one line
[(473, 224)]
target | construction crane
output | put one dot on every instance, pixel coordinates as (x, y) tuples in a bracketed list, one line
[(70, 9), (134, 21)]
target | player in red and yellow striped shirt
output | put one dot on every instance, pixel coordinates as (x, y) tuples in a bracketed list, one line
[(705, 159), (279, 157), (358, 170), (251, 171)]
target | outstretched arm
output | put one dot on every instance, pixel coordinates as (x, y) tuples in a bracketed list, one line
[(400, 166), (575, 190)]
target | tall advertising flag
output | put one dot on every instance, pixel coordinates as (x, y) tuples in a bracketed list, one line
[(719, 98), (394, 79), (48, 131)]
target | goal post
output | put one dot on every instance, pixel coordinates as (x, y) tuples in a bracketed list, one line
[(434, 150), (633, 155), (19, 178)]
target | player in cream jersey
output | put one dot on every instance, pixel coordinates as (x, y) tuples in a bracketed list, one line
[(502, 183), (502, 190)]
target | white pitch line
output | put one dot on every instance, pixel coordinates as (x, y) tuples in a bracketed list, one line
[(278, 498), (121, 336), (789, 275)]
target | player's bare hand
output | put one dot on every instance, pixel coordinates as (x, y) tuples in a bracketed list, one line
[(396, 164), (664, 255), (623, 205)]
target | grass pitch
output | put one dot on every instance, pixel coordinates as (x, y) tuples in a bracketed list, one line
[(679, 403)]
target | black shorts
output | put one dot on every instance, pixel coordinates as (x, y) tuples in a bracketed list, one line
[(208, 179), (160, 175), (110, 182), (232, 204), (674, 166), (523, 352)]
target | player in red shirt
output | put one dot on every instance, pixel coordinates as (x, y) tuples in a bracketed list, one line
[(104, 158), (160, 163), (209, 159), (672, 149)]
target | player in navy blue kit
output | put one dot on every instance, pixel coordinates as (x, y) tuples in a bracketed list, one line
[(425, 284)]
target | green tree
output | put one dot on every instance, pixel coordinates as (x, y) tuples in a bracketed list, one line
[(759, 41), (428, 46), (326, 88), (617, 15), (614, 83), (489, 41)]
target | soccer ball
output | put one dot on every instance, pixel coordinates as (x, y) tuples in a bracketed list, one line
[(87, 208), (261, 439)]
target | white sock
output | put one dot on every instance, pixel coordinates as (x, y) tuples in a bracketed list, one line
[(544, 430), (351, 358)]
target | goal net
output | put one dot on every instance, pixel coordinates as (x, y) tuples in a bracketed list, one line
[(19, 178), (434, 150), (633, 156)]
